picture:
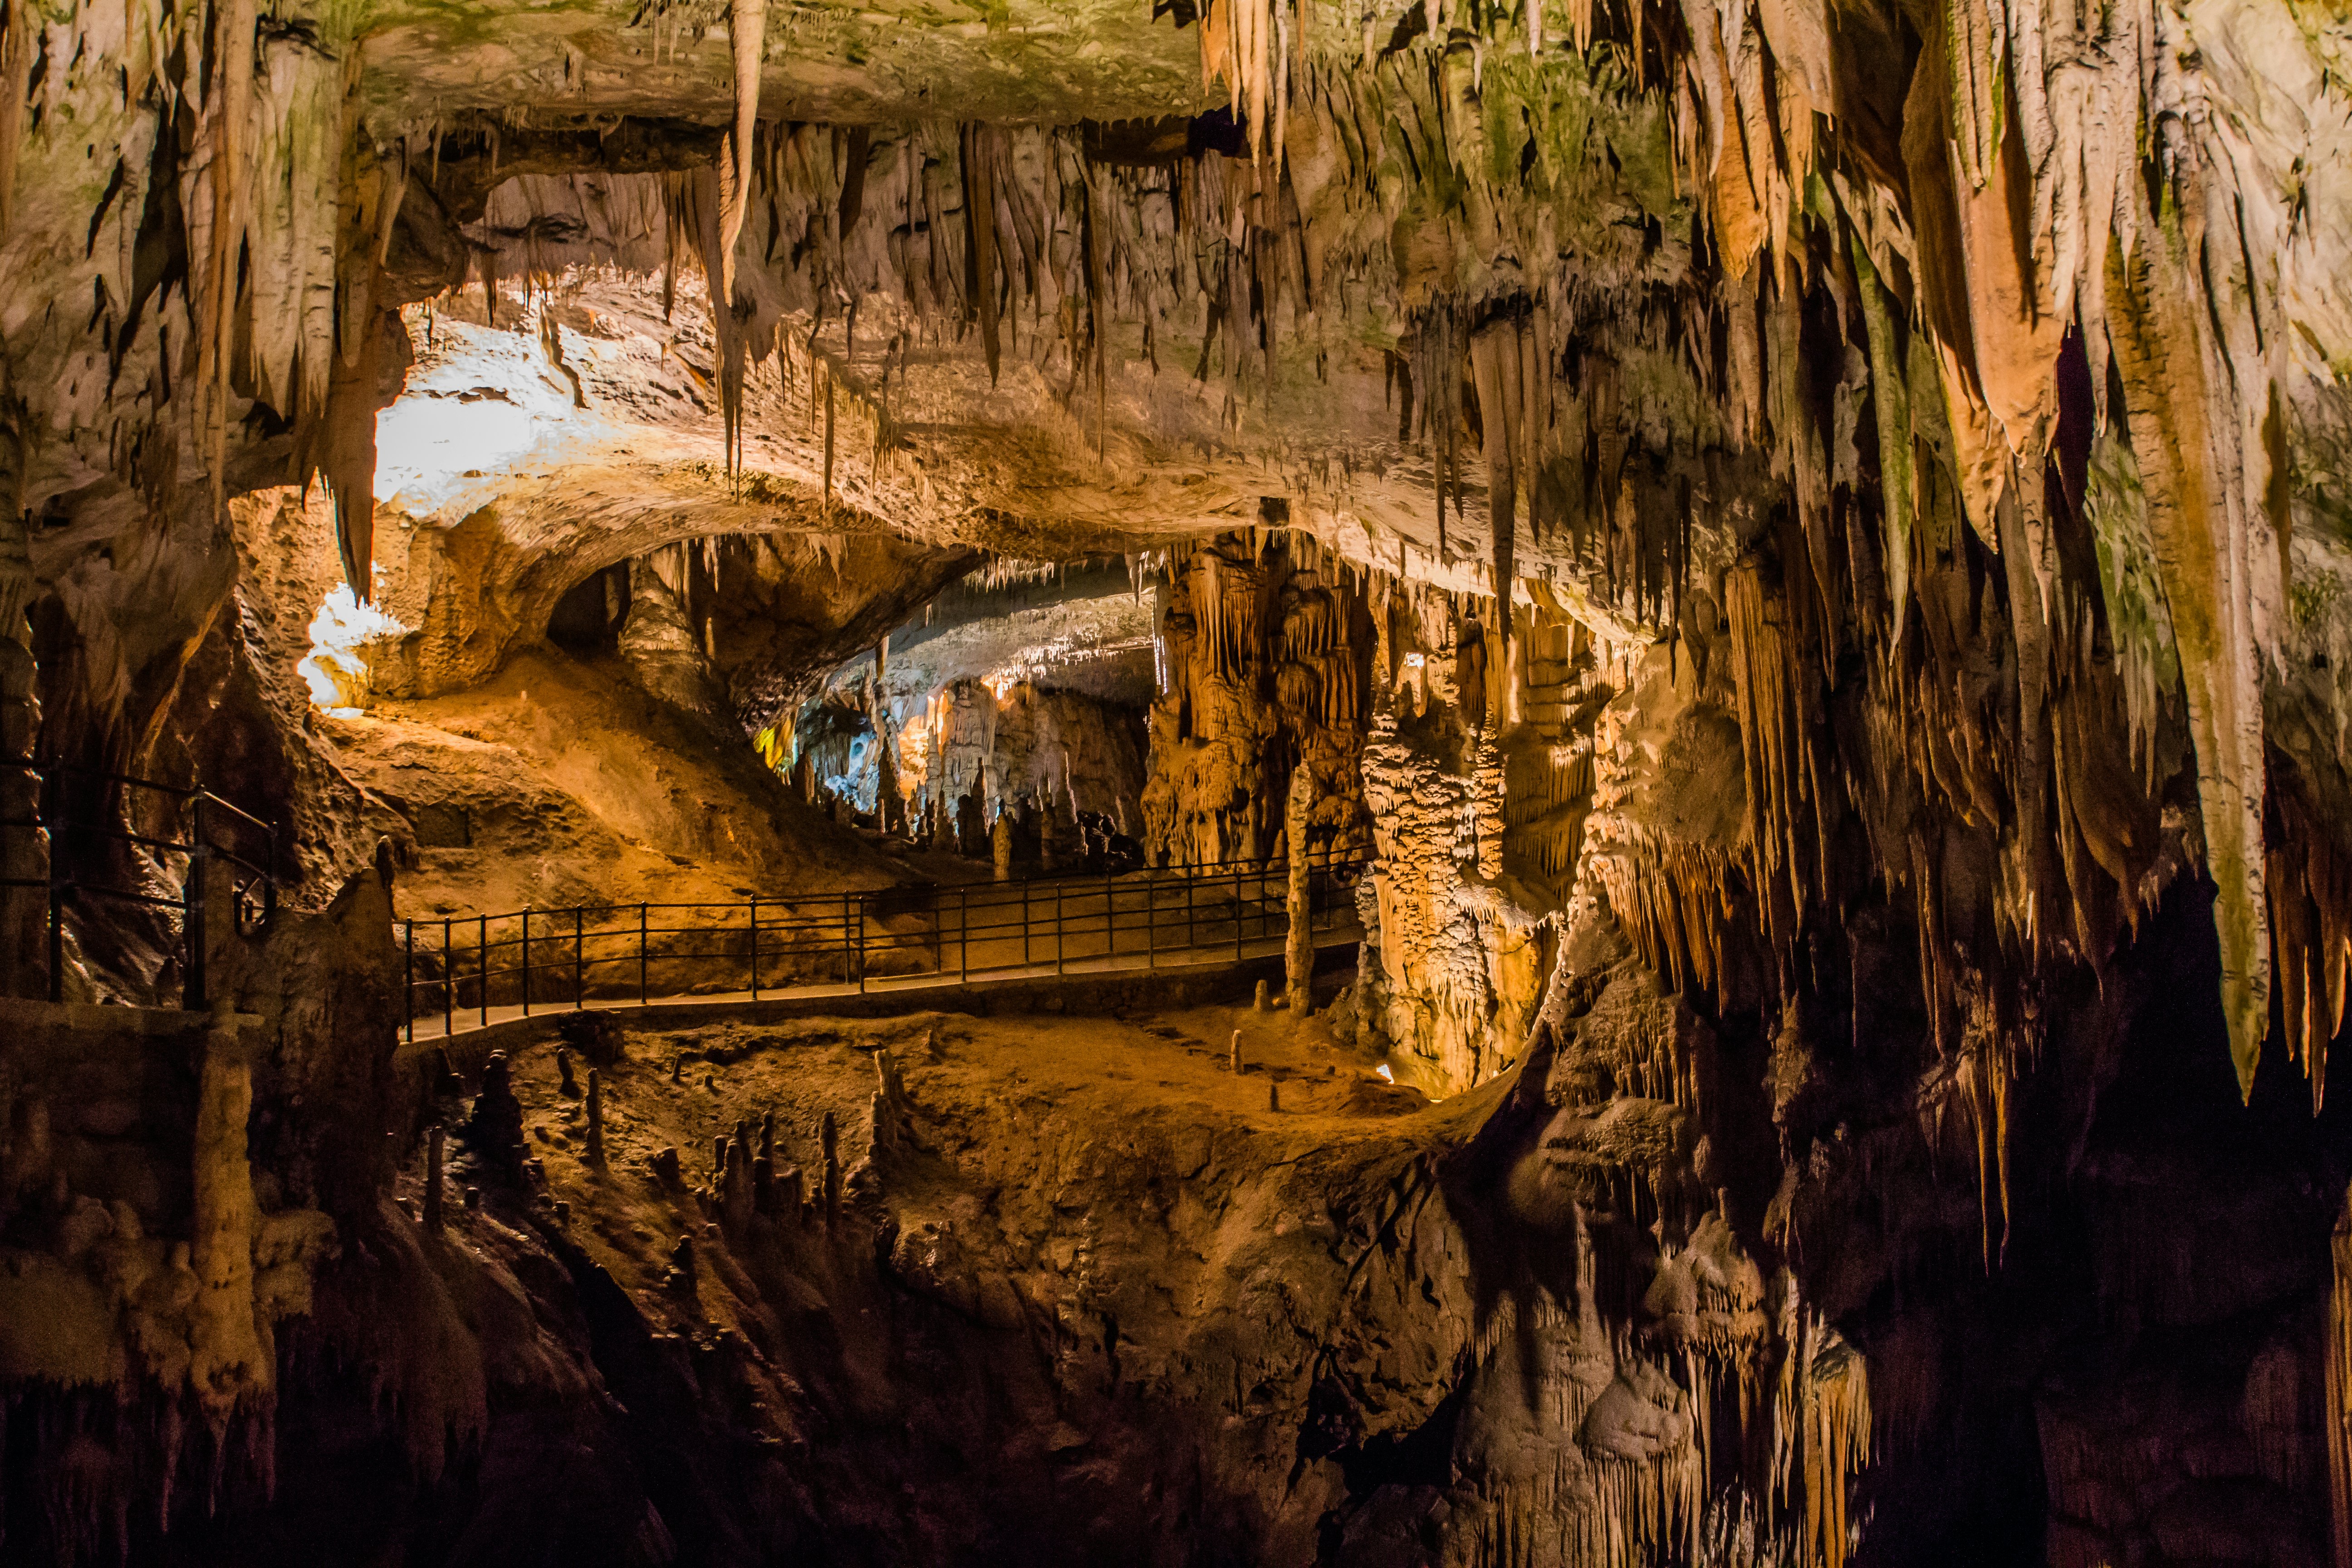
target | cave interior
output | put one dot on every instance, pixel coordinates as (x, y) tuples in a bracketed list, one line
[(1429, 784)]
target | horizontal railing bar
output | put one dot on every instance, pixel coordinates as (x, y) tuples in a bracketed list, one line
[(116, 893), (209, 798)]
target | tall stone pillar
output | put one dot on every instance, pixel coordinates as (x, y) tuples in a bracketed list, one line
[(230, 1358), (1298, 955)]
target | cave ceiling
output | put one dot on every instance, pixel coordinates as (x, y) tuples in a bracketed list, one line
[(1099, 59)]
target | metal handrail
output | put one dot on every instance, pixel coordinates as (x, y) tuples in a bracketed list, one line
[(253, 896), (846, 937)]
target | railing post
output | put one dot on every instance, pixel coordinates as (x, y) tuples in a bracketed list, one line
[(859, 905), (1057, 928), (449, 985), (408, 979), (1110, 923), (192, 911), (1150, 938), (482, 958), (963, 929), (1237, 915), (844, 938), (579, 971), (755, 949), (526, 964), (1189, 938), (641, 955), (1024, 923)]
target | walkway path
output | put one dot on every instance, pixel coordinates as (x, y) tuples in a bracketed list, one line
[(467, 973)]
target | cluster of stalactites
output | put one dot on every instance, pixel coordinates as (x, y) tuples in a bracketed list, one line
[(1262, 650), (1266, 602), (1727, 1425)]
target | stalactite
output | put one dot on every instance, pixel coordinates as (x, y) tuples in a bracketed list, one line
[(16, 30), (747, 23), (2310, 887), (1442, 353), (2208, 573), (1761, 665), (229, 116), (1495, 354), (978, 147)]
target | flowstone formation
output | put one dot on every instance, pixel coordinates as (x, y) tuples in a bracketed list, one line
[(1806, 546)]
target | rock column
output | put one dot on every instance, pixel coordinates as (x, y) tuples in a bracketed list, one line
[(1298, 957), (230, 1358)]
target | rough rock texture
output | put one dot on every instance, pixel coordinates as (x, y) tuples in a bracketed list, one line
[(1183, 1308), (1056, 751)]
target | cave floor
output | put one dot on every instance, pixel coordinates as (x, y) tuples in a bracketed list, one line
[(985, 1099), (1061, 1245)]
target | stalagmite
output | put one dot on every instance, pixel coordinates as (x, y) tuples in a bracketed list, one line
[(436, 1183), (828, 1138), (596, 1149)]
